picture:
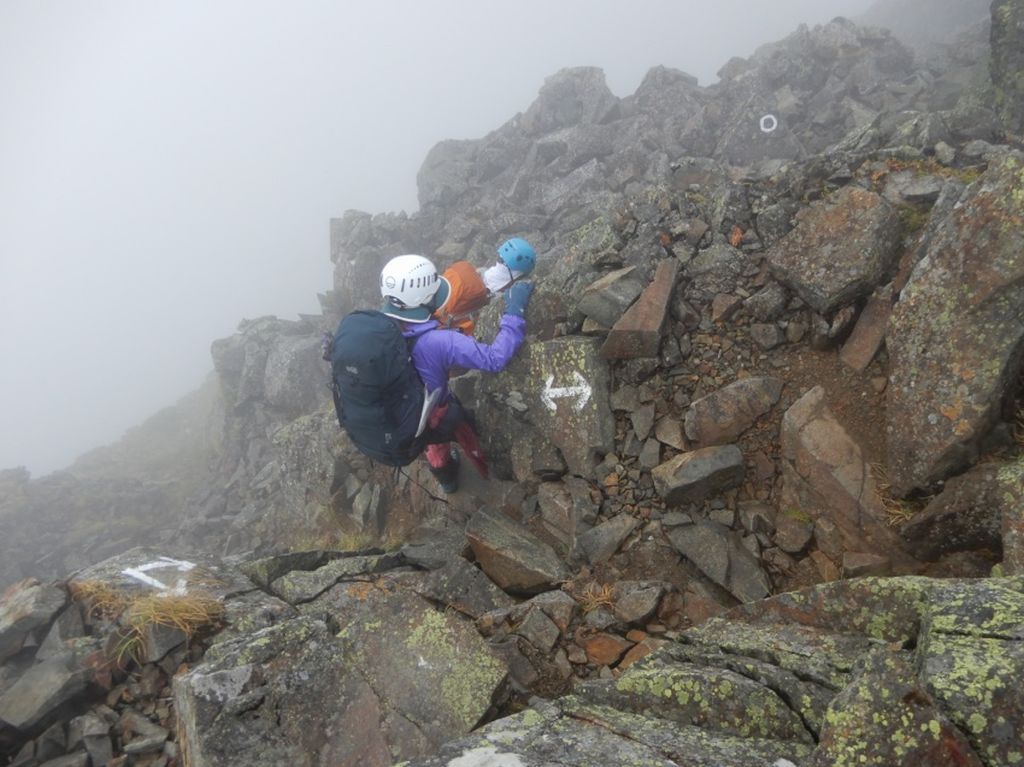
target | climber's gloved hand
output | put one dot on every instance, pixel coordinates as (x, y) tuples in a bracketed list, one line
[(517, 297)]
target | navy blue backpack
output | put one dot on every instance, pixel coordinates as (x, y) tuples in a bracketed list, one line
[(378, 395)]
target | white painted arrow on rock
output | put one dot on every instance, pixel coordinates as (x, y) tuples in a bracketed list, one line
[(139, 573), (581, 391)]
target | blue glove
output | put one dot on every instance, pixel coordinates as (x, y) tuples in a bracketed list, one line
[(517, 297)]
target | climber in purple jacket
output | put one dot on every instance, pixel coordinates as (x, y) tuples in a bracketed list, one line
[(409, 285)]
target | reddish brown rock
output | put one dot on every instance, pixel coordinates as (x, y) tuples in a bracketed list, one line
[(857, 564), (869, 332), (641, 650), (826, 477), (604, 649), (638, 331), (722, 416)]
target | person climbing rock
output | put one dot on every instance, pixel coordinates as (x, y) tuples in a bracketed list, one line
[(464, 290), (409, 285)]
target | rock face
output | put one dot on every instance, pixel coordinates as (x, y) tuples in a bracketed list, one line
[(594, 561), (967, 515), (1008, 62), (840, 251), (803, 679), (956, 337)]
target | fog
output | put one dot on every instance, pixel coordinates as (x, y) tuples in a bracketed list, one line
[(169, 168)]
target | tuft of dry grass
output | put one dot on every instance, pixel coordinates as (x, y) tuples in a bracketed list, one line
[(189, 613), (898, 511), (100, 599), (592, 596)]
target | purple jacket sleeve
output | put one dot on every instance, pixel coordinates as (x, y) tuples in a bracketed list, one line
[(438, 351)]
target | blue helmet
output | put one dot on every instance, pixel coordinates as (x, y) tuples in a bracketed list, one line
[(518, 255)]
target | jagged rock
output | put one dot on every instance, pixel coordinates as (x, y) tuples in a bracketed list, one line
[(869, 332), (970, 657), (90, 732), (637, 333), (908, 188), (886, 717), (511, 555), (268, 569), (460, 586), (600, 543), (636, 601), (840, 250), (966, 515), (45, 687), (605, 300), (248, 613), (565, 507), (692, 477), (721, 557), (715, 270), (67, 626), (669, 431), (1008, 62), (397, 680), (539, 630), (722, 416), (25, 607), (956, 336), (144, 570), (856, 565), (793, 530), (767, 304), (569, 383), (293, 374), (825, 477), (304, 586)]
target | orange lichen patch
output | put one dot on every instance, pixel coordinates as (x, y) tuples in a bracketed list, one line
[(665, 239), (361, 590), (952, 412), (736, 237)]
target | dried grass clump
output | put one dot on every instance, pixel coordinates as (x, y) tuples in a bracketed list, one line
[(100, 599), (898, 511), (592, 596), (189, 613)]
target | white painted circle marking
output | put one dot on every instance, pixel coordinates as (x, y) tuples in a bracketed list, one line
[(769, 123)]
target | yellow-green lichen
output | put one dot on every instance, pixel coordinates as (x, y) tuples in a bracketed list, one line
[(469, 678)]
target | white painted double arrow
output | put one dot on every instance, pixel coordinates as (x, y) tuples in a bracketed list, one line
[(581, 391), (139, 573)]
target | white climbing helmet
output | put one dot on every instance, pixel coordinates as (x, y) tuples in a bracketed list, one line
[(407, 285)]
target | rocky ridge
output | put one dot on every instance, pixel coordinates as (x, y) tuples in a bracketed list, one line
[(792, 335)]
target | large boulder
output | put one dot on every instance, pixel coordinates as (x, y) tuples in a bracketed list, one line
[(968, 514), (840, 251), (511, 555), (956, 337), (393, 681), (723, 415), (826, 480), (564, 385), (25, 607)]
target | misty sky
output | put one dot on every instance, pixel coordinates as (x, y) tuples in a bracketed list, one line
[(169, 168)]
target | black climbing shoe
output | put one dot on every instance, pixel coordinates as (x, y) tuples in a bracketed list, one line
[(448, 475)]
